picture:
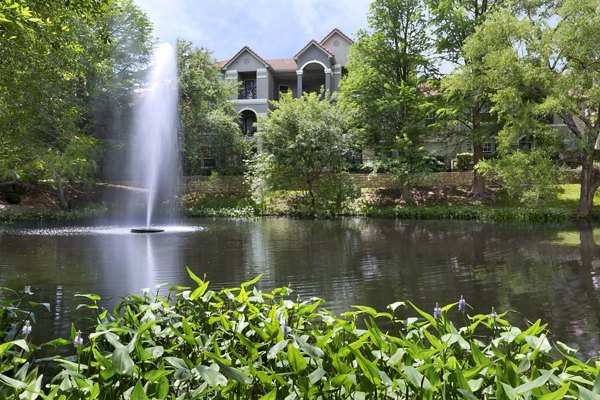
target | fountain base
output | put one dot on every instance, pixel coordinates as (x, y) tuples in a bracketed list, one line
[(146, 230)]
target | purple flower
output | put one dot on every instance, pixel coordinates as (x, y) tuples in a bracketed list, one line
[(78, 341), (437, 311), (26, 328), (494, 314), (462, 304)]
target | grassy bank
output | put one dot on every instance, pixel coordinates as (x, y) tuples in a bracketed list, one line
[(445, 205), (241, 343)]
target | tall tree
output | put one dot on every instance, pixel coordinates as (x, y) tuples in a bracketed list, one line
[(209, 124), (465, 96), (387, 76), (546, 63)]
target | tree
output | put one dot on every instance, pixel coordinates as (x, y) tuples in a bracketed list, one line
[(547, 64), (387, 80), (52, 64), (465, 95), (209, 124), (304, 144)]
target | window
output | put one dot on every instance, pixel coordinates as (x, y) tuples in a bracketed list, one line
[(284, 88), (488, 147), (469, 147), (526, 143)]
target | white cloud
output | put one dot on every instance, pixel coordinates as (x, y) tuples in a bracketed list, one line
[(273, 28)]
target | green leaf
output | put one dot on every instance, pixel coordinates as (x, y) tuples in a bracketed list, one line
[(122, 362), (92, 297), (276, 349), (586, 394), (195, 278), (138, 392), (234, 373), (177, 362), (295, 359), (417, 379), (213, 377), (251, 282), (316, 375), (272, 395), (368, 368), (369, 310), (534, 384), (156, 374), (312, 351), (428, 317), (14, 383), (558, 394), (467, 394)]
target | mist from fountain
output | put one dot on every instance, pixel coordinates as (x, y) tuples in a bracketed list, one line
[(154, 165)]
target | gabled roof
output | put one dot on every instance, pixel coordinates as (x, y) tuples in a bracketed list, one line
[(312, 43), (336, 30), (239, 53)]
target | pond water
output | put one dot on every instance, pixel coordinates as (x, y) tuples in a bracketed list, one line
[(540, 271)]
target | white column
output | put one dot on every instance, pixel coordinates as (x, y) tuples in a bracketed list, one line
[(328, 88), (299, 83)]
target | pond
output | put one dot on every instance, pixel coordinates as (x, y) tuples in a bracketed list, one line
[(539, 271)]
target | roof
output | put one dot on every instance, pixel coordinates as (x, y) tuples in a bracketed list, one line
[(313, 43), (283, 64), (336, 30), (239, 53), (286, 64)]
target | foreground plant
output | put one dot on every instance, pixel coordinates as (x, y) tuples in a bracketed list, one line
[(240, 343)]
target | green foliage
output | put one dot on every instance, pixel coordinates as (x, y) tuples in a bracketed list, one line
[(474, 213), (542, 64), (528, 176), (242, 343), (405, 161), (59, 62), (387, 74), (218, 205), (304, 145), (464, 161), (209, 124)]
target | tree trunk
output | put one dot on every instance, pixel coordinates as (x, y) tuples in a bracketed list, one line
[(589, 185), (60, 193), (478, 187)]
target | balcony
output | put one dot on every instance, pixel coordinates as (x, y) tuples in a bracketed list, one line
[(247, 94)]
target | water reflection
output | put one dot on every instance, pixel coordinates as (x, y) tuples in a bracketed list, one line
[(540, 271)]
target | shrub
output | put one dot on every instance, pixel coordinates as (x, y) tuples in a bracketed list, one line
[(464, 161), (245, 344)]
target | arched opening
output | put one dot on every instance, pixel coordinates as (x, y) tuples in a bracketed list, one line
[(313, 77), (248, 122)]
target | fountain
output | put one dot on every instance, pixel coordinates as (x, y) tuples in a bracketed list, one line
[(154, 154)]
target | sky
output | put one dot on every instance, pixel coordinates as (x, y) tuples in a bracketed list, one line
[(272, 28)]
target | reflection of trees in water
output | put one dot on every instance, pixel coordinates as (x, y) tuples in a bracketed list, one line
[(509, 267)]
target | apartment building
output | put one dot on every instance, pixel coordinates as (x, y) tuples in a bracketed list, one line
[(317, 64)]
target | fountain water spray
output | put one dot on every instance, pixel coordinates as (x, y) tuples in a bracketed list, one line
[(154, 155)]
